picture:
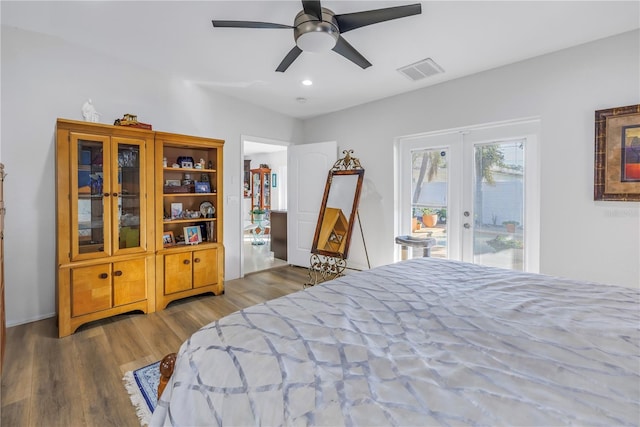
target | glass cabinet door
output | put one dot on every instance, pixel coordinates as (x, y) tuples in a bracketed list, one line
[(257, 193), (90, 196), (107, 198), (127, 199), (267, 190)]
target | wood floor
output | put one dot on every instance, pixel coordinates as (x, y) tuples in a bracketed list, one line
[(77, 380)]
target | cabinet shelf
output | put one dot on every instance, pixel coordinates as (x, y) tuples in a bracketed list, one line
[(189, 194), (186, 220), (181, 247), (86, 196), (189, 170)]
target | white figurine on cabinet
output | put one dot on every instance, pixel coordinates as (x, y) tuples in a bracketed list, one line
[(89, 112)]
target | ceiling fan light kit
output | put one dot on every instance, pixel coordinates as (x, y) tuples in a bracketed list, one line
[(318, 29), (312, 35)]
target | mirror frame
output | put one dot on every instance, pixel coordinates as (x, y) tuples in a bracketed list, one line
[(347, 166)]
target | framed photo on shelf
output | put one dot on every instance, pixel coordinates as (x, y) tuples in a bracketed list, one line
[(172, 183), (617, 154), (192, 235), (168, 239), (176, 210), (202, 187)]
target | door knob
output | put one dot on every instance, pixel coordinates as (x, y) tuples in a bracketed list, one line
[(467, 225)]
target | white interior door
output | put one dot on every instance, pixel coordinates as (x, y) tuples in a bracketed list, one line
[(308, 166)]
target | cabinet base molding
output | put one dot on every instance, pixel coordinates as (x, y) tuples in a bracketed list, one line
[(163, 302), (68, 325)]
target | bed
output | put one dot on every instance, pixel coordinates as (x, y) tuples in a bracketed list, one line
[(420, 342)]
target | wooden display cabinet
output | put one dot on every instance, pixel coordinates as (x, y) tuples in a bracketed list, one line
[(185, 270), (261, 189), (105, 217), (3, 320)]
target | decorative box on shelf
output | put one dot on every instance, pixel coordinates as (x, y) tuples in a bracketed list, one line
[(171, 189)]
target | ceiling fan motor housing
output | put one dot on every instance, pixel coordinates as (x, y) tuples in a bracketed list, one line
[(313, 35)]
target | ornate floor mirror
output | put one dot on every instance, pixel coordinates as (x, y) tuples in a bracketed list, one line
[(337, 216)]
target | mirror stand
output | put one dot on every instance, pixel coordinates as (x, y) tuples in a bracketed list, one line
[(335, 221), (323, 268)]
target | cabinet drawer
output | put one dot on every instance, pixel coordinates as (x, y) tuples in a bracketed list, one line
[(205, 267), (129, 281), (90, 289), (177, 272)]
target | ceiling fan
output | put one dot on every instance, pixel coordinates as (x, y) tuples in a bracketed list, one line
[(317, 29)]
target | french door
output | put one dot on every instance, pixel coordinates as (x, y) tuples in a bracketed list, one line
[(475, 191)]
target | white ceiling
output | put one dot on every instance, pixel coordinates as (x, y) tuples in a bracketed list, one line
[(463, 37)]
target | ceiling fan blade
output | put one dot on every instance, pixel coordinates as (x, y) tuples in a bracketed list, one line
[(345, 49), (351, 21), (312, 8), (247, 24), (288, 60)]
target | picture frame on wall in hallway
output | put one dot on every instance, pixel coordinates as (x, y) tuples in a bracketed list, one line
[(617, 154)]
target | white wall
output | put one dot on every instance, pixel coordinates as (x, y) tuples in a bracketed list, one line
[(580, 238), (44, 78)]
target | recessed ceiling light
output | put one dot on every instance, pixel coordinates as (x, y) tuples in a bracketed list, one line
[(307, 82), (301, 100)]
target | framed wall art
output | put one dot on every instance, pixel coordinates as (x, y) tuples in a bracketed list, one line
[(617, 154)]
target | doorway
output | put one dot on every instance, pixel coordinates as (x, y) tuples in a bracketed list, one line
[(264, 187), (475, 192)]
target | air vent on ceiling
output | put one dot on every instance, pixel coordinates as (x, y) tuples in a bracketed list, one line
[(421, 69)]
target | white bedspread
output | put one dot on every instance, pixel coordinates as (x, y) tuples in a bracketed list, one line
[(423, 342)]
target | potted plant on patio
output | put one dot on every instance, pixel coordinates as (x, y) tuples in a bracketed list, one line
[(415, 219), (258, 214), (510, 225), (429, 217)]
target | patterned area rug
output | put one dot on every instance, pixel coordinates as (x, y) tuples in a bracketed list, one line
[(142, 386)]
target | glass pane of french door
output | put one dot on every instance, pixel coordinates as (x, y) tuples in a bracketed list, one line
[(429, 190), (498, 204)]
